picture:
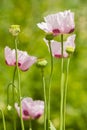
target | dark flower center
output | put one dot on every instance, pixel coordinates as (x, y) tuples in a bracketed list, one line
[(19, 64), (25, 113), (58, 56), (56, 31), (71, 30), (37, 116)]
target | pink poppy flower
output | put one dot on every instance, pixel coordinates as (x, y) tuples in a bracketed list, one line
[(59, 23), (56, 46), (25, 114), (24, 60), (30, 109)]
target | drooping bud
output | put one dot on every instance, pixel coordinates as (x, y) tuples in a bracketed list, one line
[(49, 36), (41, 63), (14, 30)]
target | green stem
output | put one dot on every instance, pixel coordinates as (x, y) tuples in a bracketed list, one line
[(49, 89), (62, 89), (19, 87), (4, 125), (12, 85), (45, 102), (14, 118), (65, 90), (30, 126)]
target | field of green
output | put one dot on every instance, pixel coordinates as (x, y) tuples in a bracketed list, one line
[(27, 13)]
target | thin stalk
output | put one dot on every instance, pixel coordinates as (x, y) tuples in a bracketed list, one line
[(30, 126), (14, 118), (65, 91), (45, 101), (62, 89), (12, 85), (3, 118), (19, 87), (49, 89)]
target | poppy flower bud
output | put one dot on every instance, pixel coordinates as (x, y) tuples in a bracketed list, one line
[(49, 36), (41, 63), (14, 30), (70, 50)]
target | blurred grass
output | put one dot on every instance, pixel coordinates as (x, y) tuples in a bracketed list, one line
[(28, 13)]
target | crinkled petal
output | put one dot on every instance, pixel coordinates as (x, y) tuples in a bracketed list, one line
[(25, 114), (27, 63), (37, 109), (59, 23), (43, 26), (9, 56), (24, 60), (56, 46)]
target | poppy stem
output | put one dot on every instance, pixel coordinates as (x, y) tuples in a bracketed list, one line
[(45, 99), (62, 88), (65, 90), (19, 87), (30, 126), (14, 118), (3, 118), (50, 79)]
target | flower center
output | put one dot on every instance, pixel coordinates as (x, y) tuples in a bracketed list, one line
[(71, 30), (37, 116), (56, 31), (19, 64), (25, 113)]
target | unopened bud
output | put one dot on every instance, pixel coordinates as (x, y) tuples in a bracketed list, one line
[(14, 30), (70, 50), (49, 36), (41, 63)]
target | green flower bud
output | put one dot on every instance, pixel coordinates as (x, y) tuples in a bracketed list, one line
[(49, 36), (14, 30), (69, 50), (41, 63)]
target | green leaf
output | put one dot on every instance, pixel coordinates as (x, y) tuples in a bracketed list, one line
[(52, 126)]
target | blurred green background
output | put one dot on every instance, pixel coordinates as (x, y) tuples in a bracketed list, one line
[(27, 13)]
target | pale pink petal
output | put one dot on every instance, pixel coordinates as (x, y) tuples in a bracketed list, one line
[(27, 63), (66, 22), (9, 56), (59, 23), (56, 46), (27, 99), (43, 26), (30, 109), (24, 60), (25, 114), (37, 109), (69, 43)]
